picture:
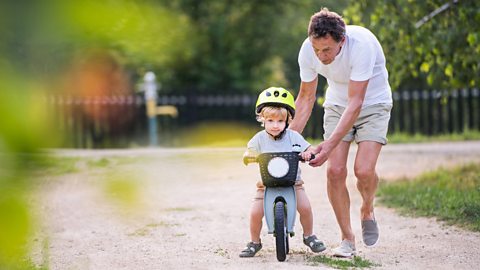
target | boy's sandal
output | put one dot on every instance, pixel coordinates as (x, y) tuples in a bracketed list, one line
[(314, 244), (251, 249)]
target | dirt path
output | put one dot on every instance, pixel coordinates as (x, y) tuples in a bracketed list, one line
[(193, 214)]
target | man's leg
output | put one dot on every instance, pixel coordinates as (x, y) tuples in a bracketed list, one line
[(367, 179), (337, 189)]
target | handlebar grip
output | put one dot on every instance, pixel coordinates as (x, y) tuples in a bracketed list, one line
[(247, 160)]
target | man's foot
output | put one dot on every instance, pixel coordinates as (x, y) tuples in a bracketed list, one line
[(251, 249), (370, 232), (314, 244), (346, 249)]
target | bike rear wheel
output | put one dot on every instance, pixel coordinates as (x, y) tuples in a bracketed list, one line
[(281, 236)]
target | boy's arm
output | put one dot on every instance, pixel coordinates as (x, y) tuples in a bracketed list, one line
[(252, 149)]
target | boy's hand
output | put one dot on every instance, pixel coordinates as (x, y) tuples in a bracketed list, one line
[(307, 155), (249, 156)]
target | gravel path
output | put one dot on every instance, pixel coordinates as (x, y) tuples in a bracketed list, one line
[(192, 206)]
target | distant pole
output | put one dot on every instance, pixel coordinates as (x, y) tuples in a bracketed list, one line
[(150, 88)]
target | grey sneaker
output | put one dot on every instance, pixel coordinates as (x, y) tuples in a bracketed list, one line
[(314, 244), (251, 249), (346, 249), (370, 232)]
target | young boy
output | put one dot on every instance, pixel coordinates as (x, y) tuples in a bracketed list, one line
[(275, 109)]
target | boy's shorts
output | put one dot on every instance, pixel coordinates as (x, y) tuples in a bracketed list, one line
[(261, 189), (371, 124)]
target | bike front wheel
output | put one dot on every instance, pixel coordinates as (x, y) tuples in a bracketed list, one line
[(281, 236)]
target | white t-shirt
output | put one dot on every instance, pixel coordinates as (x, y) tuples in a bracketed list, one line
[(291, 141), (361, 58)]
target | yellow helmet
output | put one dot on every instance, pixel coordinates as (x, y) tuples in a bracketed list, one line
[(276, 96)]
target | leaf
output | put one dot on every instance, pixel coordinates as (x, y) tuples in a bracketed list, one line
[(425, 67), (449, 70)]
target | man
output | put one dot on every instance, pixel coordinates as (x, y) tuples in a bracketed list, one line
[(357, 107)]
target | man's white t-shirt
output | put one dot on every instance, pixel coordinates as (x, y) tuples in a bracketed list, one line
[(361, 58)]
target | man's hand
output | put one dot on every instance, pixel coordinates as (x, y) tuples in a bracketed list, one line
[(322, 151)]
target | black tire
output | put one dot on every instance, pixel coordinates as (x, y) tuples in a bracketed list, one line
[(288, 245), (281, 236)]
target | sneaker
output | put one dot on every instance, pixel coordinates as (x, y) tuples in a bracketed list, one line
[(370, 232), (346, 249), (251, 249), (314, 244)]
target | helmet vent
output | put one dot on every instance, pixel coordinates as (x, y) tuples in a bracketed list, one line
[(268, 94), (284, 95), (276, 93)]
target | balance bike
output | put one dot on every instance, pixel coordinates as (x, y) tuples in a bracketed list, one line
[(279, 172)]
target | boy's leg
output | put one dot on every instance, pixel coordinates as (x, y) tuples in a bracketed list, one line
[(256, 216), (305, 210), (306, 219)]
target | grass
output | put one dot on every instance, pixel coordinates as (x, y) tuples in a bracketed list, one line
[(467, 135), (60, 165), (451, 195), (341, 263)]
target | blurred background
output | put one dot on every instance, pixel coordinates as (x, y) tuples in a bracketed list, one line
[(122, 74), (79, 74)]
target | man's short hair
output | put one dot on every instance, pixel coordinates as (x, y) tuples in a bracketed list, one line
[(324, 23)]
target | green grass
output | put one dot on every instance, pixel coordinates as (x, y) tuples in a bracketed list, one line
[(341, 263), (60, 165), (468, 135), (451, 195)]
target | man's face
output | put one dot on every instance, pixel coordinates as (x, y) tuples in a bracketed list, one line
[(326, 48)]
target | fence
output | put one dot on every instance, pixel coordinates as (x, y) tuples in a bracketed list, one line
[(120, 121)]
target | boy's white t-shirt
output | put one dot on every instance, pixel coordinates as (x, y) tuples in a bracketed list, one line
[(291, 141), (361, 58)]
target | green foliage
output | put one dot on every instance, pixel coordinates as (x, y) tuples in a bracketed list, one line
[(235, 44), (356, 262), (244, 46), (443, 52), (451, 195), (203, 46), (14, 226), (41, 38)]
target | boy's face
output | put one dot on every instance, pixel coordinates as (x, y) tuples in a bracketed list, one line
[(275, 124)]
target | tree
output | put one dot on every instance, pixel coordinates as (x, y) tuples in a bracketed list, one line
[(428, 44)]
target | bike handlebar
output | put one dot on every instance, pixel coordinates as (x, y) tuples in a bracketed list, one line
[(250, 159)]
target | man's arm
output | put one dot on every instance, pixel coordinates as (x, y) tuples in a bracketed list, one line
[(304, 105), (356, 95)]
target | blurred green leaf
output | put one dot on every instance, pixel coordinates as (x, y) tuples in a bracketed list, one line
[(14, 226)]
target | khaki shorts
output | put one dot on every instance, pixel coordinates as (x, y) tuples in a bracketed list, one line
[(261, 189), (371, 124)]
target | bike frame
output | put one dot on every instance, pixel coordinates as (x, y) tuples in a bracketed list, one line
[(273, 195)]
